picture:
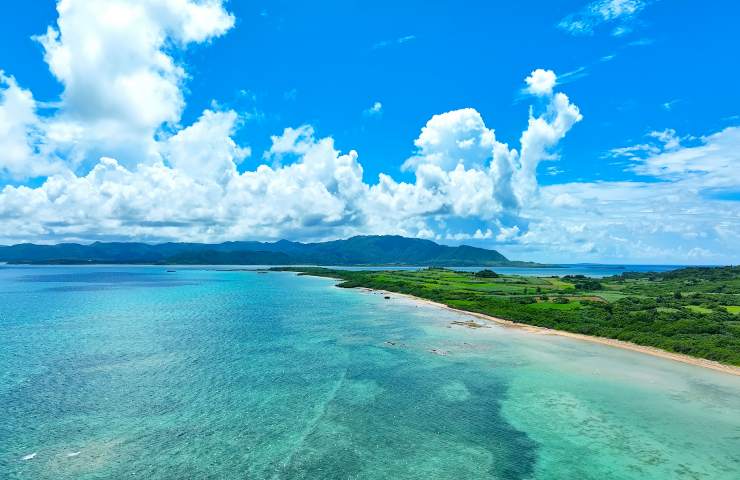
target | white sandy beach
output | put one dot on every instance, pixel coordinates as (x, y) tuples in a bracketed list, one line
[(699, 362)]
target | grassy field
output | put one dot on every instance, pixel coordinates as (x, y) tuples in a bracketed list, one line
[(695, 311)]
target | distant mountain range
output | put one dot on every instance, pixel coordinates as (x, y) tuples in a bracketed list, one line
[(360, 250)]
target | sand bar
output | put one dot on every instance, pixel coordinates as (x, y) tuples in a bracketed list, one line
[(656, 352)]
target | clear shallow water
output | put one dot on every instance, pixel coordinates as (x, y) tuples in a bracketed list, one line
[(114, 372)]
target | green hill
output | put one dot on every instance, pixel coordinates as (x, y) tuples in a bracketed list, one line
[(359, 250)]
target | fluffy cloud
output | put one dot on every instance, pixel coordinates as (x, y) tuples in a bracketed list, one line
[(310, 197), (454, 138), (19, 135), (205, 149), (195, 191), (541, 82), (120, 84), (542, 134), (462, 169)]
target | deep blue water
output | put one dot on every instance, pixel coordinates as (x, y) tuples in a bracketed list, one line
[(136, 372)]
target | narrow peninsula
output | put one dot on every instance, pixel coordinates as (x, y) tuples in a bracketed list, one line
[(690, 311)]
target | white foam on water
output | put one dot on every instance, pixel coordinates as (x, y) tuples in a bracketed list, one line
[(73, 454), (30, 456)]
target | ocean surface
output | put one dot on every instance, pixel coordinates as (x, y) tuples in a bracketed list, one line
[(588, 269), (137, 372)]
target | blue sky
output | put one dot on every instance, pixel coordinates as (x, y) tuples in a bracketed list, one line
[(652, 83)]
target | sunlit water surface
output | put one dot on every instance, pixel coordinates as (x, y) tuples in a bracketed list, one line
[(136, 372)]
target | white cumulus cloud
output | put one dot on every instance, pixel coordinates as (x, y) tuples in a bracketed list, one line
[(206, 149), (195, 190), (20, 137), (120, 83), (541, 82)]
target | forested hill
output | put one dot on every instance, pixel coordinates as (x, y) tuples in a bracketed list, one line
[(360, 250)]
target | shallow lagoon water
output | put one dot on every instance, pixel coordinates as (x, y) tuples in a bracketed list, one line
[(136, 372)]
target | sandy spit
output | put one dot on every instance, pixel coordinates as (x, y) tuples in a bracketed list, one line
[(657, 352)]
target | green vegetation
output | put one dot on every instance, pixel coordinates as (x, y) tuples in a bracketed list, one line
[(692, 311), (699, 309), (486, 273)]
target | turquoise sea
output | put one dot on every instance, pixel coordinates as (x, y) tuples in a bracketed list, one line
[(137, 372)]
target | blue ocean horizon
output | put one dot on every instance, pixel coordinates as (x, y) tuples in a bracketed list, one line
[(587, 269), (559, 270)]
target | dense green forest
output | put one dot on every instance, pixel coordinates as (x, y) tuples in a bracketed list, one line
[(695, 311)]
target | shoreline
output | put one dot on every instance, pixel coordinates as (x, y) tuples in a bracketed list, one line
[(653, 351)]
